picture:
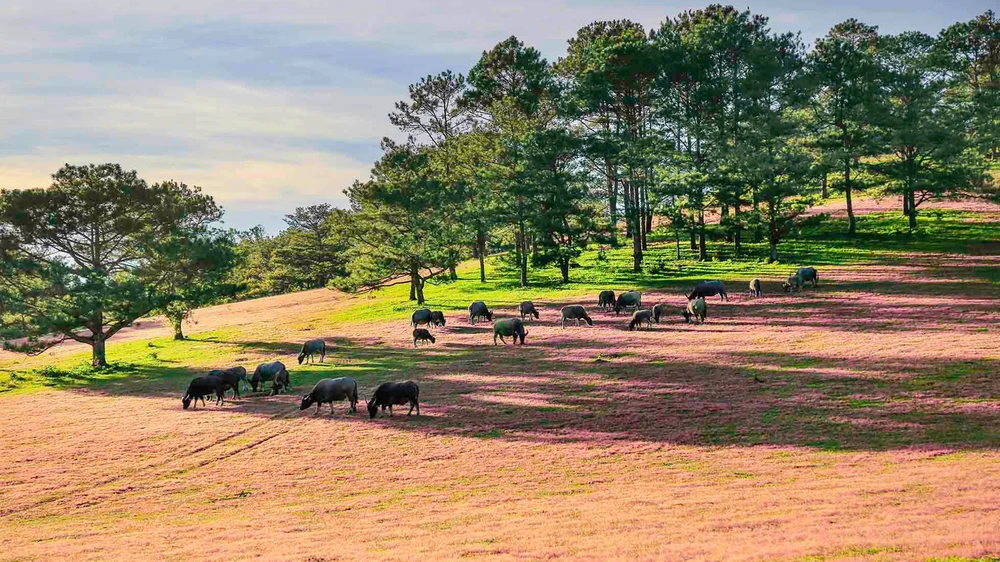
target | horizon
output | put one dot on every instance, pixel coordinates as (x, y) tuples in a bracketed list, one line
[(271, 107)]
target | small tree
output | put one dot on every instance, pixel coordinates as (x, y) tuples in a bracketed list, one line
[(844, 70), (397, 229), (212, 255), (970, 51), (308, 250), (561, 216), (931, 155), (94, 252)]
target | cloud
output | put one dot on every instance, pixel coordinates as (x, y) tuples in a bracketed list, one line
[(269, 105)]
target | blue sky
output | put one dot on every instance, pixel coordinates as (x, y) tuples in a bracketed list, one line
[(272, 105)]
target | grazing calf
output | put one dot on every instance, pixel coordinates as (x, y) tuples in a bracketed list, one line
[(755, 288), (575, 312), (281, 383), (630, 299), (709, 289), (201, 387), (437, 318), (478, 310), (606, 300), (794, 283), (312, 347), (421, 334), (233, 377), (659, 311), (801, 276), (389, 394), (267, 372), (328, 391), (640, 317), (696, 309), (527, 308), (506, 327), (422, 316)]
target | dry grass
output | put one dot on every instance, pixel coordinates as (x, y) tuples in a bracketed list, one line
[(856, 421)]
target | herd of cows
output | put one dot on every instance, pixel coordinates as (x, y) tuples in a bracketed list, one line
[(327, 391)]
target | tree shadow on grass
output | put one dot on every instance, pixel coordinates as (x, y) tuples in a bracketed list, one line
[(538, 394)]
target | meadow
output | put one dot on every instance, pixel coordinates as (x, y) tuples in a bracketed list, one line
[(859, 420)]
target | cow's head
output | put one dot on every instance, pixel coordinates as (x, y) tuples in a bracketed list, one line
[(307, 401)]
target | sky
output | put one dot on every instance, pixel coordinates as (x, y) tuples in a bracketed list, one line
[(272, 105)]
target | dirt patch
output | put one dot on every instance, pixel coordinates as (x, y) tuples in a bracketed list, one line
[(866, 205)]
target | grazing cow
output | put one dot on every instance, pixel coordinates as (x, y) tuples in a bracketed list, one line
[(630, 299), (310, 348), (659, 311), (234, 377), (709, 289), (422, 316), (267, 372), (421, 334), (437, 318), (696, 309), (808, 275), (640, 317), (755, 288), (478, 310), (527, 308), (606, 300), (389, 394), (201, 387), (328, 391), (575, 312), (506, 327)]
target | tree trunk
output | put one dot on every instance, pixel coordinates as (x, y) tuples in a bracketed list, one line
[(756, 213), (414, 281), (644, 230), (420, 290), (693, 231), (913, 210), (612, 202), (823, 192), (702, 251), (626, 201), (98, 357), (644, 214), (523, 258), (564, 269), (774, 253), (452, 273), (737, 232), (635, 218), (677, 237), (178, 324), (851, 224), (481, 250), (724, 220)]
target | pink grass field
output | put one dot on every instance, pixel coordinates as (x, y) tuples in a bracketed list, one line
[(856, 421)]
